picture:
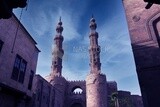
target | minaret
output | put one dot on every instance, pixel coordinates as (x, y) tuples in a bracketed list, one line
[(94, 49), (96, 83), (58, 52), (56, 79)]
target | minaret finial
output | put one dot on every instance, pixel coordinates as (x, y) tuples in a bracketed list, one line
[(92, 15), (59, 28), (93, 24), (60, 19)]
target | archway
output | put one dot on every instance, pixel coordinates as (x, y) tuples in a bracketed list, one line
[(76, 105), (77, 89)]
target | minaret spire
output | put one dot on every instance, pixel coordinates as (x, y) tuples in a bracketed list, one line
[(92, 15), (94, 49), (60, 19), (58, 52)]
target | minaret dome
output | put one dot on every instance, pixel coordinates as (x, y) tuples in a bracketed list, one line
[(59, 28), (93, 24)]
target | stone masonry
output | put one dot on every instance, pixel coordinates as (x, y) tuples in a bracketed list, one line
[(144, 29), (16, 41)]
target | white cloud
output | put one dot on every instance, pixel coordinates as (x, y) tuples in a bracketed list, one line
[(40, 24)]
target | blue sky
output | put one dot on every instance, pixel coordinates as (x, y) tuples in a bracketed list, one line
[(41, 19)]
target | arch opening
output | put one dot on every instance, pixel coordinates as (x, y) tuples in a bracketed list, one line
[(77, 90), (76, 105)]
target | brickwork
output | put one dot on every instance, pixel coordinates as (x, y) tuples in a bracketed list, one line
[(75, 97), (60, 85), (96, 90), (124, 99), (42, 90), (137, 101)]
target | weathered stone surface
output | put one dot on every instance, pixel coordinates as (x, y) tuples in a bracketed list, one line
[(96, 90), (144, 33), (21, 44)]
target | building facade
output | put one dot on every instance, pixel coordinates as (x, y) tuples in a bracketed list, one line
[(18, 60), (144, 29), (125, 99)]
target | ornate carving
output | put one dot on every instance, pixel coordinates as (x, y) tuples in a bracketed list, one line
[(136, 18)]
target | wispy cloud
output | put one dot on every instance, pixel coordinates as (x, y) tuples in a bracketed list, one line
[(71, 74), (70, 31)]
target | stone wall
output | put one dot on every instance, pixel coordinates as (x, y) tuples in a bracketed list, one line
[(111, 89), (96, 90), (76, 97), (144, 27), (44, 93), (60, 85), (137, 101), (7, 100), (124, 99), (22, 44)]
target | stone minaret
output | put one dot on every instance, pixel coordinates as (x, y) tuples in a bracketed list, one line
[(56, 78), (94, 49), (96, 88), (57, 51)]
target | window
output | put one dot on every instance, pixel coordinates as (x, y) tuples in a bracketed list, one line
[(30, 80), (77, 90), (1, 44), (19, 69)]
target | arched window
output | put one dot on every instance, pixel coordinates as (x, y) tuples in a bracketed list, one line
[(77, 89)]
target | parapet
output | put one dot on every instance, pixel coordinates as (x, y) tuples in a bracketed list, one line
[(76, 81), (58, 80)]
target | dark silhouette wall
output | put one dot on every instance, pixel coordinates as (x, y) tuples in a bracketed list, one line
[(144, 29)]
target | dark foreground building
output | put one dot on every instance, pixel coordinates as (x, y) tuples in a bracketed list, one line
[(144, 29)]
